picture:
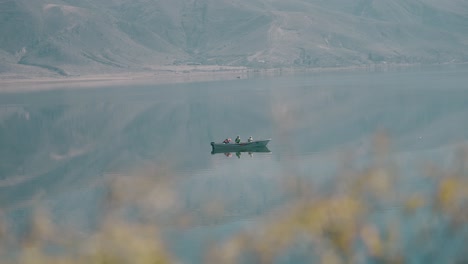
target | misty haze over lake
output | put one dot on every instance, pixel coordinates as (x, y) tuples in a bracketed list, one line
[(108, 108), (58, 146)]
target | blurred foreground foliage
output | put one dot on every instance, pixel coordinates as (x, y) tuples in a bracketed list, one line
[(365, 216)]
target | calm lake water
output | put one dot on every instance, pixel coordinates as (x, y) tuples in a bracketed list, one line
[(56, 146)]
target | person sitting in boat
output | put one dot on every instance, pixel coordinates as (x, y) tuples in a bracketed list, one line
[(227, 141), (238, 139), (250, 139)]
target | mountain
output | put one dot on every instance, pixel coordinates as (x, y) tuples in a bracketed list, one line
[(77, 37)]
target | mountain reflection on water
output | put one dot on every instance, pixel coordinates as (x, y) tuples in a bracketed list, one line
[(58, 147)]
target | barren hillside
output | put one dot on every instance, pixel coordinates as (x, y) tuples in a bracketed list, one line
[(70, 37)]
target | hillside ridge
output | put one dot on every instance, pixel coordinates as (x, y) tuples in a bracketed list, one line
[(70, 37)]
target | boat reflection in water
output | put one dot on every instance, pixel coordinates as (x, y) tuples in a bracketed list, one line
[(238, 153)]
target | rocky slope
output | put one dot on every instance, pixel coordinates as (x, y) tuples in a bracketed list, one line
[(69, 37)]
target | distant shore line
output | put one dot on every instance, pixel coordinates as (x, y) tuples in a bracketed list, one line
[(168, 75)]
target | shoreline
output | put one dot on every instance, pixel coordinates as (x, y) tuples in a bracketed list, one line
[(17, 84), (169, 75)]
